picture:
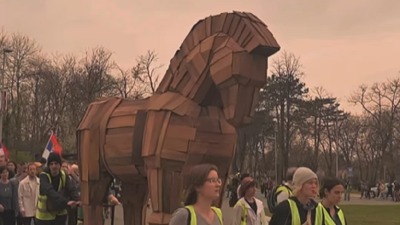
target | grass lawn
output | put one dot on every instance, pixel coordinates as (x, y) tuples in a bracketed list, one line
[(369, 214), (372, 214)]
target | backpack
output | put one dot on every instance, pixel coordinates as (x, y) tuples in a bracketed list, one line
[(233, 199), (273, 195)]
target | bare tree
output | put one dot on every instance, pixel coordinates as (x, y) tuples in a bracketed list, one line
[(381, 103), (146, 71)]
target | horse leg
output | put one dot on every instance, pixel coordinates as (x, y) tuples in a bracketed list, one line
[(93, 194), (165, 194), (134, 200)]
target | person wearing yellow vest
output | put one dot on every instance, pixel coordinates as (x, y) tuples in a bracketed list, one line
[(248, 210), (331, 193), (300, 209), (56, 194), (203, 187)]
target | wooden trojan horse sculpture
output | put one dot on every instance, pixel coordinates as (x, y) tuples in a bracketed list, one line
[(210, 88)]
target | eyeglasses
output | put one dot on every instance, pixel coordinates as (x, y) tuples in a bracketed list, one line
[(214, 180)]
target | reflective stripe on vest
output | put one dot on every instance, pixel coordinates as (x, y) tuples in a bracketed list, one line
[(245, 211), (193, 218), (41, 210), (296, 217), (243, 218), (284, 188), (327, 217)]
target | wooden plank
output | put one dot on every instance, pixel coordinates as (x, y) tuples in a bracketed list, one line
[(137, 144), (183, 132), (222, 70), (120, 160), (173, 155), (153, 131), (227, 128), (124, 169), (208, 24), (122, 121), (179, 75), (93, 157), (84, 192), (183, 108), (113, 150), (218, 23), (176, 144), (153, 189), (206, 124), (239, 31), (213, 112), (163, 133), (196, 65), (117, 131), (234, 25), (199, 33), (201, 88), (228, 23), (129, 107), (84, 154), (185, 81), (212, 149), (182, 120), (194, 159), (220, 42), (166, 81)]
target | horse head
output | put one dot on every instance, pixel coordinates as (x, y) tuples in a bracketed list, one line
[(223, 62)]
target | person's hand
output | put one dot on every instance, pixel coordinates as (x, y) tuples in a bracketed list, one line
[(1, 208), (73, 204), (113, 200), (22, 213)]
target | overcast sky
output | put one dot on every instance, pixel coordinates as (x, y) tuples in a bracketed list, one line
[(341, 43)]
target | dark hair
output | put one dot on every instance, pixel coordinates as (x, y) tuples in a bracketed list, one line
[(327, 184), (195, 178), (15, 166), (244, 176), (290, 172), (2, 168)]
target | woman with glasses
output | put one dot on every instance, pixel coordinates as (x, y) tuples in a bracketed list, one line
[(248, 210), (202, 189)]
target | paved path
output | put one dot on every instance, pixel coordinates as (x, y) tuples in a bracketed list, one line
[(227, 211)]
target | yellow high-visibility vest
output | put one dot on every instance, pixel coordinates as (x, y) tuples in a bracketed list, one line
[(296, 216), (327, 217), (41, 212), (193, 219)]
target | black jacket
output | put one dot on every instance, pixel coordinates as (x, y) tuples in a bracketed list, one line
[(60, 199), (282, 214)]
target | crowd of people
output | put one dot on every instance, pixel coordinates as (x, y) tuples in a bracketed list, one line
[(381, 191), (297, 200), (42, 193)]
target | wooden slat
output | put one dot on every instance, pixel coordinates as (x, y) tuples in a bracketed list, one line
[(199, 32), (84, 154), (228, 23), (122, 121), (213, 112), (218, 23), (184, 132), (173, 155), (234, 26), (222, 70), (152, 132), (176, 144), (182, 120), (205, 124)]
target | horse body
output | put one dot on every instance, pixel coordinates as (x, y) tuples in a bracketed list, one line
[(210, 88)]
